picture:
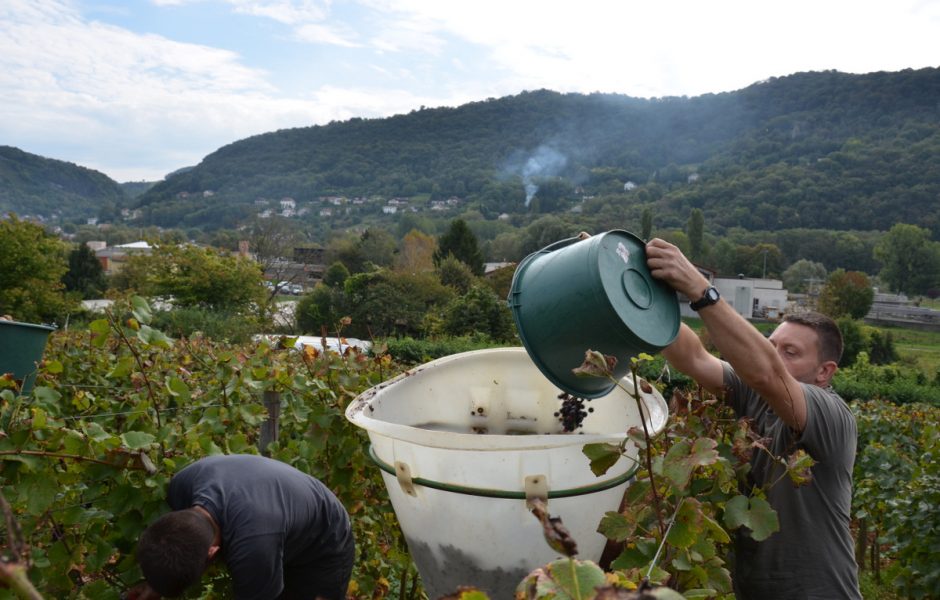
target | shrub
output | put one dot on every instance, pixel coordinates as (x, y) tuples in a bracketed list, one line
[(216, 324), (416, 351)]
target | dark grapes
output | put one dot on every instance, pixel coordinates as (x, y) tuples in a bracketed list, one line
[(572, 411)]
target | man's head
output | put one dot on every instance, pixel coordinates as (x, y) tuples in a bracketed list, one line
[(810, 345), (175, 550)]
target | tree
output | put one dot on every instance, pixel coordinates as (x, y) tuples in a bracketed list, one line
[(696, 231), (480, 310), (416, 253), (378, 247), (883, 351), (804, 275), (335, 275), (85, 275), (846, 293), (389, 303), (345, 248), (198, 277), (544, 231), (323, 307), (272, 242), (911, 262), (460, 241), (853, 340), (456, 274), (32, 264)]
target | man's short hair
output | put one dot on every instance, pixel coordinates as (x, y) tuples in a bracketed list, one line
[(174, 551), (829, 344)]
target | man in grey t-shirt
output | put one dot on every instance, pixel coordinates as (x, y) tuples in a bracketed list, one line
[(281, 532), (783, 384)]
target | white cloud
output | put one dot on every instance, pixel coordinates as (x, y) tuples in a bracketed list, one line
[(322, 34), (136, 105), (675, 47), (121, 101), (290, 12)]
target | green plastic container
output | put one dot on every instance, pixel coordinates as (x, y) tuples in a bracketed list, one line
[(593, 294), (21, 349)]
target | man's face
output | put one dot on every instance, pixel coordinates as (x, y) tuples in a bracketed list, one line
[(798, 346)]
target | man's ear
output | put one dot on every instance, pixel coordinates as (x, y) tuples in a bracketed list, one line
[(826, 371), (212, 551)]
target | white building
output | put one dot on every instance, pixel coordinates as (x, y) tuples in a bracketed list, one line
[(750, 298)]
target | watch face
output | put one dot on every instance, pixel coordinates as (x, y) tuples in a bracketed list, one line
[(708, 298)]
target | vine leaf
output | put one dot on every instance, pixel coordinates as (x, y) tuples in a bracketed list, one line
[(617, 526), (141, 310), (799, 467), (687, 526), (466, 593), (135, 440), (556, 534), (596, 364), (683, 457), (753, 513), (555, 581), (603, 456), (153, 337)]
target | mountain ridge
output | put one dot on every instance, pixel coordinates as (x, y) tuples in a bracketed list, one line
[(816, 149)]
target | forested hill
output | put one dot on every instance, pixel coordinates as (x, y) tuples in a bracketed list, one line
[(31, 185), (820, 150)]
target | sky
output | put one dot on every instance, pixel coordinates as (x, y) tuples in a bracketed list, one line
[(139, 88)]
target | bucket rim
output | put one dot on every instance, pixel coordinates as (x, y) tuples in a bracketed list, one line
[(357, 414), (28, 325)]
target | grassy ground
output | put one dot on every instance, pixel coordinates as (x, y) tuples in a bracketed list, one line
[(875, 591), (928, 303), (917, 348)]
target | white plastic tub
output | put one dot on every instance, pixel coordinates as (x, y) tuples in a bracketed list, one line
[(464, 439)]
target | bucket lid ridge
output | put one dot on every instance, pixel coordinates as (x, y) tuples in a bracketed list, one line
[(647, 307)]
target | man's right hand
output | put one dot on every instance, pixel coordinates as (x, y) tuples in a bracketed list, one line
[(141, 591), (668, 263)]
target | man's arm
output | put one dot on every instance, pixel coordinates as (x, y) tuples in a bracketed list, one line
[(688, 355), (753, 357)]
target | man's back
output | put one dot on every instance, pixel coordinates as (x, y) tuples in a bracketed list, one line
[(271, 518)]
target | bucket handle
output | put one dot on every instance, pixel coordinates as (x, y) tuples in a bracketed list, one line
[(560, 244)]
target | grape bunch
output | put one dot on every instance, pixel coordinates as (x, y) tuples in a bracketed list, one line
[(572, 411)]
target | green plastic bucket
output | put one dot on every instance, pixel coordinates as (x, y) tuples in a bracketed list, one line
[(592, 294), (21, 349)]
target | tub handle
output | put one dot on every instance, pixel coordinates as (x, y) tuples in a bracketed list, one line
[(403, 473), (536, 488)]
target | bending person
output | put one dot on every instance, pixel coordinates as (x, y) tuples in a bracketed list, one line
[(281, 532)]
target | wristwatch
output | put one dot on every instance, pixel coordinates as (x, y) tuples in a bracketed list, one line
[(710, 297)]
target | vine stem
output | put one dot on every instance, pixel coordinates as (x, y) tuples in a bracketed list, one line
[(649, 459), (13, 574), (68, 456), (140, 365), (574, 578), (663, 542)]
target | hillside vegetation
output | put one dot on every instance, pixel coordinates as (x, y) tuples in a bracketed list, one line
[(812, 150), (31, 185)]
